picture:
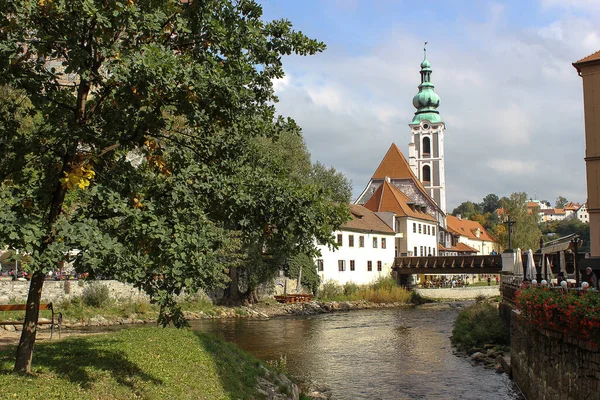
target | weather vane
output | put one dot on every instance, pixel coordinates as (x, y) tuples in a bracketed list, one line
[(425, 49)]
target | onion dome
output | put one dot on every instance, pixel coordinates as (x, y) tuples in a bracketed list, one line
[(426, 101)]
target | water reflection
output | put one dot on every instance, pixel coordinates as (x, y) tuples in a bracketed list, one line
[(383, 354)]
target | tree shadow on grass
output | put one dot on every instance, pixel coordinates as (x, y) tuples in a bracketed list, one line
[(79, 361), (238, 372)]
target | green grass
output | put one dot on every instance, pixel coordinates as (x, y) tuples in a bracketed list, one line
[(147, 363), (479, 324)]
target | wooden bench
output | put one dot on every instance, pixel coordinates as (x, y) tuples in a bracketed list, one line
[(42, 307), (294, 298)]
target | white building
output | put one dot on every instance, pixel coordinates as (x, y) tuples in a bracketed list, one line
[(472, 235), (365, 250), (583, 215)]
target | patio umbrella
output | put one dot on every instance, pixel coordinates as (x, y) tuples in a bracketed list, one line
[(549, 273), (519, 264), (531, 270), (563, 263)]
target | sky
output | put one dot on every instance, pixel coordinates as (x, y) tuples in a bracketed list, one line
[(510, 98)]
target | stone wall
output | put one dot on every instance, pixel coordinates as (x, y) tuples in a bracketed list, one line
[(465, 293), (545, 366), (55, 291)]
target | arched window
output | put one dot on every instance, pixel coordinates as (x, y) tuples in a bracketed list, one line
[(426, 147), (426, 174)]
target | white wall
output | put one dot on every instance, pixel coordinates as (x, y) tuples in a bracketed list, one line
[(483, 247), (418, 240), (360, 256)]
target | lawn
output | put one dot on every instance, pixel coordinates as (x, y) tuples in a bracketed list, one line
[(146, 363)]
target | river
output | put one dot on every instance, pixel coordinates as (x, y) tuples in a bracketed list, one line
[(402, 353)]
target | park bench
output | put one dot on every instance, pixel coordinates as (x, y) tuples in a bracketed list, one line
[(42, 307), (294, 298)]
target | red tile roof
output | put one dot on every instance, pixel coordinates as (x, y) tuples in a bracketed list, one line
[(589, 59), (466, 227), (363, 219), (459, 248), (388, 197), (395, 166)]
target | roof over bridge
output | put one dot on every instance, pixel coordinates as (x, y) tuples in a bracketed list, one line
[(486, 264)]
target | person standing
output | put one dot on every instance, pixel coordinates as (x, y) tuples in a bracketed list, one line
[(590, 278)]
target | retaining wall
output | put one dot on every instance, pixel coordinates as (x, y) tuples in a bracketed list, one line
[(464, 293), (547, 366), (55, 291)]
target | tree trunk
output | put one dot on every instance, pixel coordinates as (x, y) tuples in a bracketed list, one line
[(25, 348)]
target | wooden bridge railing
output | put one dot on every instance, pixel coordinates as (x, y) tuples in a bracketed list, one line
[(448, 264)]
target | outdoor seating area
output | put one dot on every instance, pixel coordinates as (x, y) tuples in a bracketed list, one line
[(294, 298)]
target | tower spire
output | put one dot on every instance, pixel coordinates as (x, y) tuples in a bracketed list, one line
[(426, 101)]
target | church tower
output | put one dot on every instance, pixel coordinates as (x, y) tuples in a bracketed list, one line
[(426, 148)]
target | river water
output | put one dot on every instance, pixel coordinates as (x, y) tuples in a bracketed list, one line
[(402, 353)]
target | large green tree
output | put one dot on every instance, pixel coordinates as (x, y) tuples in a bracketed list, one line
[(525, 231), (136, 144)]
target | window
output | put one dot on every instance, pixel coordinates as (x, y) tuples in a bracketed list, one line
[(428, 230), (429, 251), (415, 253), (414, 228), (433, 231), (342, 265), (339, 239), (434, 252), (383, 243), (420, 231), (374, 242), (426, 146), (319, 265), (369, 266), (426, 174), (361, 241), (351, 265), (421, 251), (350, 240), (378, 265)]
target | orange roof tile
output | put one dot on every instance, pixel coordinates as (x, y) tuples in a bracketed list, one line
[(388, 197), (466, 227), (363, 219), (464, 248), (591, 58), (395, 166)]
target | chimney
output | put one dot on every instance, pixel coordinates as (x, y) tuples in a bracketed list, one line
[(388, 179), (459, 217)]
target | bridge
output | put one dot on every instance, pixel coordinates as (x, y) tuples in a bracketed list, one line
[(480, 264)]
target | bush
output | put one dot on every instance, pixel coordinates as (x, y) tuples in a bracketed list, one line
[(350, 289), (96, 295), (479, 324), (330, 290)]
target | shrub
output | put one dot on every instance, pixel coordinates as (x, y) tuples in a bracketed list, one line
[(96, 295), (350, 289), (330, 290), (479, 324)]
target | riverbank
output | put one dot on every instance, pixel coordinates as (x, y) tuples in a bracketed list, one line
[(144, 363)]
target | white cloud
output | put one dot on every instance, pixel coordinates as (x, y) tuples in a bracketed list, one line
[(516, 167)]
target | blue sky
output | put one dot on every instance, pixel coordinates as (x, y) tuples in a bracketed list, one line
[(510, 98)]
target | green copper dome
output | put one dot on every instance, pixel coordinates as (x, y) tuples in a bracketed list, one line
[(426, 101)]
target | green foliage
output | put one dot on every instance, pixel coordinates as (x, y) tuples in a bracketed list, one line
[(310, 276), (467, 209), (135, 363), (526, 233), (490, 203), (383, 290), (479, 324), (96, 295), (561, 202), (130, 133)]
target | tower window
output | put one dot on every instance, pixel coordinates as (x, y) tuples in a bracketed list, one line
[(426, 147), (427, 173)]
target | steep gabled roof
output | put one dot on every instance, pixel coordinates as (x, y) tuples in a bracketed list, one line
[(388, 197), (466, 227), (395, 166), (363, 219)]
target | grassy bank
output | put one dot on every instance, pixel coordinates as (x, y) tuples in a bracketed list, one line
[(384, 290), (148, 363), (478, 325)]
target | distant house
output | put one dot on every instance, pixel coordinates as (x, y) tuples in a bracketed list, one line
[(582, 214), (469, 237), (553, 214), (365, 249)]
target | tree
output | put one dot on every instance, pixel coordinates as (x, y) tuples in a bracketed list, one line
[(137, 146), (561, 202), (490, 203), (466, 209), (525, 231)]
